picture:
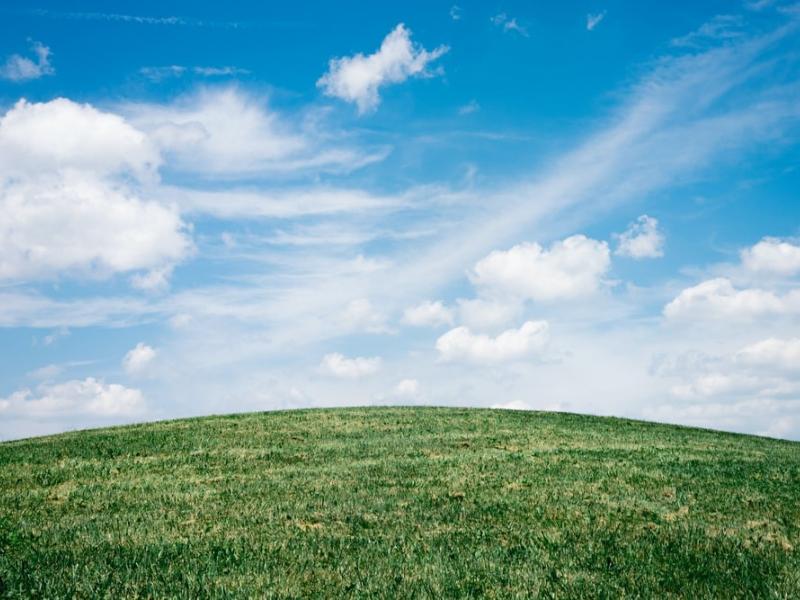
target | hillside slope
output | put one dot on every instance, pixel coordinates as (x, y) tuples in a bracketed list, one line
[(400, 502)]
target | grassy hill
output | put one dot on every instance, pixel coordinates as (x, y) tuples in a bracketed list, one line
[(400, 502)]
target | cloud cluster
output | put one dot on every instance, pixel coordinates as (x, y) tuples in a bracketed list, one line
[(359, 78), (68, 175), (89, 397)]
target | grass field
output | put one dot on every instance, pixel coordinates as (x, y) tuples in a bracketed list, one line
[(400, 502)]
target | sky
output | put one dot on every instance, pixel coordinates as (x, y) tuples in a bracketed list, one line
[(212, 208)]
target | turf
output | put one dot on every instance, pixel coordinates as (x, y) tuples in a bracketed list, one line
[(400, 502)]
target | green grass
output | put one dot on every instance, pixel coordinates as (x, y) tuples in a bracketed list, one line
[(400, 502)]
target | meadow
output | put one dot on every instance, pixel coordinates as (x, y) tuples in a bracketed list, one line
[(400, 503)]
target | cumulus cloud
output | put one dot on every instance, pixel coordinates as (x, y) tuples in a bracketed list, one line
[(570, 268), (358, 78), (340, 366), (138, 359), (429, 314), (772, 256), (81, 224), (462, 345), (62, 135), (21, 68), (227, 133), (593, 20), (719, 299), (89, 397), (68, 174), (642, 239)]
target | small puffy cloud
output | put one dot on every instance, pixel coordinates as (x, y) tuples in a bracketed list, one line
[(507, 24), (772, 256), (138, 359), (430, 314), (593, 20), (570, 268), (455, 12), (21, 68), (89, 397), (719, 299), (642, 239), (407, 388), (359, 78), (772, 353), (340, 366), (60, 134), (461, 345)]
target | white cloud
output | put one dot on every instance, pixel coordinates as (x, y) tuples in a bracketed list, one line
[(772, 353), (89, 397), (429, 314), (79, 224), (407, 388), (21, 68), (68, 180), (570, 268), (227, 133), (349, 368), (460, 344), (772, 255), (62, 135), (455, 12), (642, 239), (719, 299), (507, 23), (359, 78), (138, 359), (593, 20)]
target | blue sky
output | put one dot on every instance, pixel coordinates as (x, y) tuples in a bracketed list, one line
[(590, 207)]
